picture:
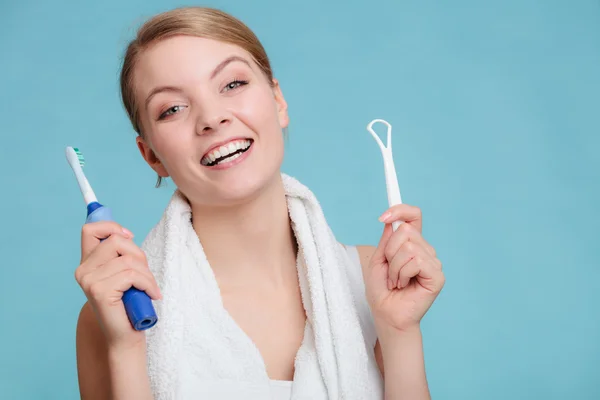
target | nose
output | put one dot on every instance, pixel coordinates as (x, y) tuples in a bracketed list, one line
[(212, 120)]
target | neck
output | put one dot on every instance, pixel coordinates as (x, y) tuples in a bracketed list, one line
[(251, 242)]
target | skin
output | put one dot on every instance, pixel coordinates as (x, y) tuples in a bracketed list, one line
[(240, 216)]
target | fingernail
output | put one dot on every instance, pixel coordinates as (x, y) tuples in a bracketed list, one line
[(127, 232), (390, 284), (385, 216)]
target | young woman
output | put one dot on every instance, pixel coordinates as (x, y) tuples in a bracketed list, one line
[(199, 90)]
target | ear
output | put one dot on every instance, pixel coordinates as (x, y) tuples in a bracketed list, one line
[(151, 158), (282, 109)]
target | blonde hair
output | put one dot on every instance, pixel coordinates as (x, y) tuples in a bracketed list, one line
[(202, 22)]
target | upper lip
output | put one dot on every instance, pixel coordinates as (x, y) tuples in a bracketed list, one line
[(222, 143)]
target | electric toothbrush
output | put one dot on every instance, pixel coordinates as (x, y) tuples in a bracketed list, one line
[(138, 304)]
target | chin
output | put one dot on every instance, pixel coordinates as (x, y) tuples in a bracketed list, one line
[(242, 188), (236, 187), (237, 182)]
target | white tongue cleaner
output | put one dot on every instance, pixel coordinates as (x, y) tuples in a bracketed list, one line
[(391, 180)]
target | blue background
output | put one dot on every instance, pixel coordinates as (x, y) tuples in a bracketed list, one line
[(496, 115)]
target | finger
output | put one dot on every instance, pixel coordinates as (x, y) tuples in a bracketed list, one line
[(112, 288), (400, 259), (415, 236), (378, 257), (410, 270), (113, 247), (422, 269), (94, 232), (113, 267), (406, 233), (405, 213)]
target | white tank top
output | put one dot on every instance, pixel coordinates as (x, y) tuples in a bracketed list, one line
[(282, 390)]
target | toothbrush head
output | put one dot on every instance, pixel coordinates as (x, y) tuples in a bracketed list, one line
[(74, 157), (79, 156), (76, 161)]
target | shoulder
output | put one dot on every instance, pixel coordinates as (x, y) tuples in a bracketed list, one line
[(360, 253), (92, 356), (365, 252)]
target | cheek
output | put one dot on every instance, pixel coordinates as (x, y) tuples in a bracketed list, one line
[(170, 145), (258, 111)]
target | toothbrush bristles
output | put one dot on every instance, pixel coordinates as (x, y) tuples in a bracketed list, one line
[(79, 156)]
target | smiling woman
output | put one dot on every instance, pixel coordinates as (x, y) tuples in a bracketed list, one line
[(255, 297)]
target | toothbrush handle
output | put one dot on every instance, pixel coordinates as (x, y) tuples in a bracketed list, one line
[(138, 304)]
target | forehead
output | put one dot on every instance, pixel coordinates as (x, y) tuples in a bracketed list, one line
[(182, 59)]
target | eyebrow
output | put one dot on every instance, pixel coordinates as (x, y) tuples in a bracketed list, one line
[(226, 62), (216, 71), (161, 89)]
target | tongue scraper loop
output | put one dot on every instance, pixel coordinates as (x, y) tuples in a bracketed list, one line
[(391, 180)]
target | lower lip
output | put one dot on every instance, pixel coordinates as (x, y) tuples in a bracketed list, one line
[(232, 163)]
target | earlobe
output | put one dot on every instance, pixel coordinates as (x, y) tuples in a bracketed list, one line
[(150, 157), (282, 108)]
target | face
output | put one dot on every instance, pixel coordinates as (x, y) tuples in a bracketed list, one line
[(211, 120)]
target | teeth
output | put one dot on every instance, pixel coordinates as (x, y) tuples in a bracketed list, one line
[(233, 157), (224, 151)]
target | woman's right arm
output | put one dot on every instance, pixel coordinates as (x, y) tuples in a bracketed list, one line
[(111, 355), (105, 373)]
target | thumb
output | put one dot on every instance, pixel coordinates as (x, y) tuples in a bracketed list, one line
[(379, 254), (376, 272)]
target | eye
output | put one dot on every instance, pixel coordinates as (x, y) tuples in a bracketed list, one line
[(235, 84), (171, 111)]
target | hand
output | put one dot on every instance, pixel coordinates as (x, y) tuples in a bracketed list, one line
[(106, 270), (404, 276)]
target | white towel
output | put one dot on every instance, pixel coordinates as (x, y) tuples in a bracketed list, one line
[(196, 350)]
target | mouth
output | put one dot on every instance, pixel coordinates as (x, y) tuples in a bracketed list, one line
[(226, 153)]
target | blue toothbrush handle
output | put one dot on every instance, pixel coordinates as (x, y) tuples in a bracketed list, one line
[(138, 304)]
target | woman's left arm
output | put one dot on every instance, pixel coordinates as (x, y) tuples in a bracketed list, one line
[(402, 279)]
